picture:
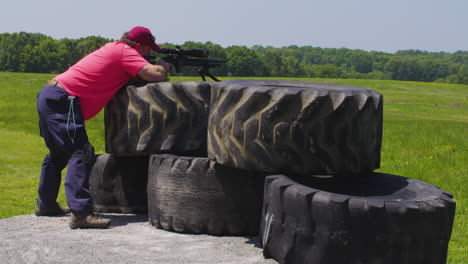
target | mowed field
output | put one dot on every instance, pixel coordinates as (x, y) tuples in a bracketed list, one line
[(425, 138)]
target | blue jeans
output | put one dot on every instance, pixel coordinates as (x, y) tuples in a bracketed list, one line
[(62, 126)]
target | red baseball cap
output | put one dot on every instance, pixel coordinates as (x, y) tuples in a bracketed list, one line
[(143, 36)]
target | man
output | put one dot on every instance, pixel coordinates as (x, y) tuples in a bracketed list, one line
[(77, 95)]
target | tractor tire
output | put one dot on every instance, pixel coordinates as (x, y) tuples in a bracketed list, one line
[(295, 127), (165, 117), (378, 218), (118, 184), (196, 195)]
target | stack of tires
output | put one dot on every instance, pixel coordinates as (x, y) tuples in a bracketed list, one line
[(291, 161)]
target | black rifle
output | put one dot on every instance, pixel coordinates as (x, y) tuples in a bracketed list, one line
[(191, 57)]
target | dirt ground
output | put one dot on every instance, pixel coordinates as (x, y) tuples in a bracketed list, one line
[(130, 239)]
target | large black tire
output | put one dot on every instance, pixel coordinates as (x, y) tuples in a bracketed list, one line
[(295, 127), (196, 195), (383, 219), (165, 117), (118, 184)]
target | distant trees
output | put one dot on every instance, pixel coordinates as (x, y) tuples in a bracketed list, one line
[(243, 62), (33, 52)]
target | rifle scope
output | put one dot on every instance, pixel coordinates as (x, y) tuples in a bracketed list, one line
[(198, 53)]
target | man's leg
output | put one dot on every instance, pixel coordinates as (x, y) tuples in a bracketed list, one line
[(49, 185), (77, 179), (56, 160), (77, 190)]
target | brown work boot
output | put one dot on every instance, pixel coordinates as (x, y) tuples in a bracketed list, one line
[(87, 220), (55, 210)]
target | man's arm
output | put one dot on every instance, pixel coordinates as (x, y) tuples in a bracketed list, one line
[(154, 73)]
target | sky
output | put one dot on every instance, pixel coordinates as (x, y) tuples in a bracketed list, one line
[(371, 25)]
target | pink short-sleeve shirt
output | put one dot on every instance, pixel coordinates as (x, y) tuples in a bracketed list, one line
[(97, 77)]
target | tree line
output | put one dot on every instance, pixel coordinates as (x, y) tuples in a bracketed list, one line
[(38, 53)]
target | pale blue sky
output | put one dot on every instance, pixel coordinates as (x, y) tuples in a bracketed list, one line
[(380, 25)]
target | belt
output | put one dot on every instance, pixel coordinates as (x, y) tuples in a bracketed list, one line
[(54, 83)]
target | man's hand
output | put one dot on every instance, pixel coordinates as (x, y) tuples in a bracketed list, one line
[(166, 65)]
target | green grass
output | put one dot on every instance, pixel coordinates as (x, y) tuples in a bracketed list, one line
[(425, 138)]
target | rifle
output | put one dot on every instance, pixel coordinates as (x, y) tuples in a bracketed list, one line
[(191, 57)]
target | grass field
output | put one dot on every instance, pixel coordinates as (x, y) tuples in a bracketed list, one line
[(425, 138)]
